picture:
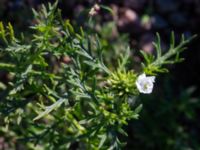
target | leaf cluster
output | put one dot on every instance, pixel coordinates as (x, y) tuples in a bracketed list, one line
[(62, 103), (155, 64)]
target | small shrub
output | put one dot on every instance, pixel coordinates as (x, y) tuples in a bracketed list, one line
[(60, 93)]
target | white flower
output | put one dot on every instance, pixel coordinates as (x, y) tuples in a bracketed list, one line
[(145, 84)]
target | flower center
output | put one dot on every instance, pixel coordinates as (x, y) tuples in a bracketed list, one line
[(146, 85)]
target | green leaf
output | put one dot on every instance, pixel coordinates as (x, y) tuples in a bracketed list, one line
[(103, 139), (50, 108), (138, 109)]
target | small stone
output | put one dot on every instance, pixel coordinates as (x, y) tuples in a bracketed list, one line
[(131, 15), (146, 42), (129, 21)]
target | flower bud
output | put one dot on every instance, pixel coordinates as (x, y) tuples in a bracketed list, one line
[(94, 10)]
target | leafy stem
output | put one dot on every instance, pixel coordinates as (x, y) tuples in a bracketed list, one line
[(154, 65)]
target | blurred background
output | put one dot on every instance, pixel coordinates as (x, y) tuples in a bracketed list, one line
[(170, 116)]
